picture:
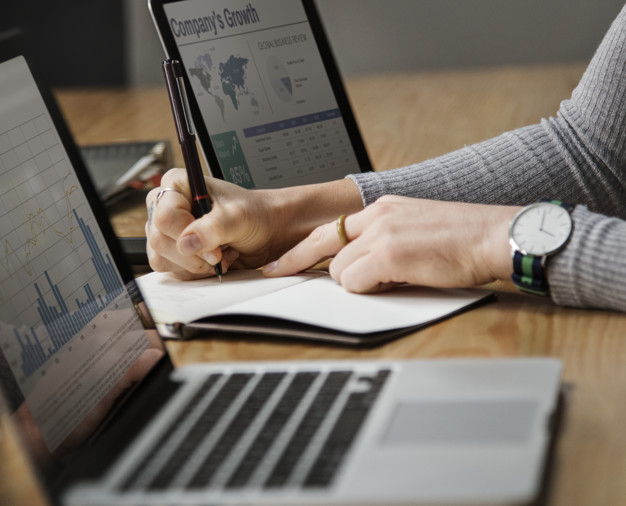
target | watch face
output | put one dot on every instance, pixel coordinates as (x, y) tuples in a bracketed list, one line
[(540, 229)]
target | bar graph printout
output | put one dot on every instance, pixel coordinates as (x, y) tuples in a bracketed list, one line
[(68, 328)]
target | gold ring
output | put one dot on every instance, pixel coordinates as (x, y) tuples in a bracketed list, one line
[(341, 229), (163, 191)]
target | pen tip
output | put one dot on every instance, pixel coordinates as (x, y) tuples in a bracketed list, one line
[(218, 270)]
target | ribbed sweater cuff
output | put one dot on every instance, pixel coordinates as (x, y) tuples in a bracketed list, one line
[(589, 271)]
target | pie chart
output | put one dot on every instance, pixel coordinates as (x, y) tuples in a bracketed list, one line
[(279, 79)]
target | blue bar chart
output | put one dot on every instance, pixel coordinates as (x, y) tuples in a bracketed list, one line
[(61, 323)]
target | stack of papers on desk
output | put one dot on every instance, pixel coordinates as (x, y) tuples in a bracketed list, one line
[(307, 306)]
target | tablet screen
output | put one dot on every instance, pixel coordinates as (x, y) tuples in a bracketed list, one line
[(263, 91)]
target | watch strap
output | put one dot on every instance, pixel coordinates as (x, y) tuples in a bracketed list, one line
[(529, 274), (565, 205)]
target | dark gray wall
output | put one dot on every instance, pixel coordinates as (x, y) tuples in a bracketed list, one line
[(108, 42), (401, 35), (392, 35), (144, 51), (75, 42)]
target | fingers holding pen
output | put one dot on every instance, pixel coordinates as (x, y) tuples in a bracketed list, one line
[(195, 240), (217, 236), (238, 228), (169, 213)]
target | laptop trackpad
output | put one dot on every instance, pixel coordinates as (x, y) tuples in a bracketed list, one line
[(462, 422)]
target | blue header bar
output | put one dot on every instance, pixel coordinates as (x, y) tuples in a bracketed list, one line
[(291, 123)]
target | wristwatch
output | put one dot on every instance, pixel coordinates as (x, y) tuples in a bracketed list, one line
[(536, 232)]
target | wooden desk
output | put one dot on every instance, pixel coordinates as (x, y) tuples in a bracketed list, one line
[(407, 118)]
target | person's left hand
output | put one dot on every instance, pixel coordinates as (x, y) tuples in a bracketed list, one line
[(401, 239)]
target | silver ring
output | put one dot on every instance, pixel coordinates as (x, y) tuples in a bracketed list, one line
[(162, 192)]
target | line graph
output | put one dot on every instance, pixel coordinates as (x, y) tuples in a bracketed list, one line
[(36, 225)]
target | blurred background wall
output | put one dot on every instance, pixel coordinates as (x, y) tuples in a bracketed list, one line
[(76, 42), (113, 42)]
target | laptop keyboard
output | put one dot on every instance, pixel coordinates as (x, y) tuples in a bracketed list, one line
[(271, 430)]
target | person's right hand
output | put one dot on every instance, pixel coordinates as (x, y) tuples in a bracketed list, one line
[(238, 228), (245, 228)]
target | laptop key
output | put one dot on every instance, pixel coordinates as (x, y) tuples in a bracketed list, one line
[(236, 429), (203, 425), (299, 385), (344, 432), (322, 403), (182, 415)]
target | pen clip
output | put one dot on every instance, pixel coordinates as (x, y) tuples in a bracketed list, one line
[(185, 102), (178, 99)]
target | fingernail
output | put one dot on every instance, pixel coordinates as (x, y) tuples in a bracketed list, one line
[(190, 244), (209, 258), (270, 267)]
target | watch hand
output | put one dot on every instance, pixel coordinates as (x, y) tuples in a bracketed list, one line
[(543, 218)]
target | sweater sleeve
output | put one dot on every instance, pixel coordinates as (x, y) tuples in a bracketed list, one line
[(591, 271), (578, 156)]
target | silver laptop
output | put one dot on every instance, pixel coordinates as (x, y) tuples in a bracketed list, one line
[(106, 419)]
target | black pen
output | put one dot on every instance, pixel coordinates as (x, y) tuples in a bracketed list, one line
[(201, 203)]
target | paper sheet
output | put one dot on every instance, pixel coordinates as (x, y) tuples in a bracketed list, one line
[(171, 300), (311, 298)]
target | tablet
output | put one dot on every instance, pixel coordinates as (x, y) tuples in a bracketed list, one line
[(265, 94)]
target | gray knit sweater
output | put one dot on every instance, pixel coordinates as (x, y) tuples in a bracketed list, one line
[(579, 156)]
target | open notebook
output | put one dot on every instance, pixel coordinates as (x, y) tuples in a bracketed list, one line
[(307, 306)]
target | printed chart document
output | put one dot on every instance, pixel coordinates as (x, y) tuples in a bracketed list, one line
[(307, 306)]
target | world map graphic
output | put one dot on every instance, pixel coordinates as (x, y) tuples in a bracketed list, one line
[(225, 82)]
